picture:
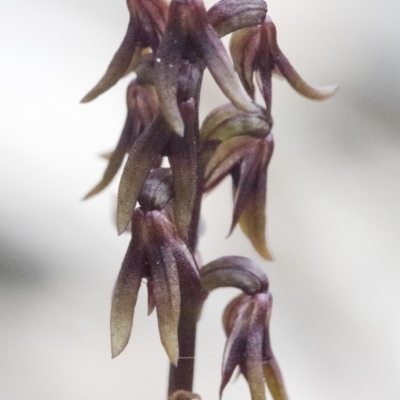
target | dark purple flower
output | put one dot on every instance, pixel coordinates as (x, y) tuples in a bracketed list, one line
[(244, 153), (156, 252), (190, 36), (246, 322), (255, 49), (145, 28)]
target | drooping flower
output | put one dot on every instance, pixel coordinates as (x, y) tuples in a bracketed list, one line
[(255, 49), (156, 252), (246, 322), (244, 152)]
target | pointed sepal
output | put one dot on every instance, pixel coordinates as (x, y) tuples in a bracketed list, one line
[(127, 288)]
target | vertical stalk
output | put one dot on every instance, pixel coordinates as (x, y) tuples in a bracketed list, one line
[(181, 377)]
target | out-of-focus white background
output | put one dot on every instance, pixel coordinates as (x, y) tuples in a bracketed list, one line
[(333, 209)]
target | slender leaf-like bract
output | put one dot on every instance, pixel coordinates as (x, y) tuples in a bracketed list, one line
[(127, 288), (142, 158)]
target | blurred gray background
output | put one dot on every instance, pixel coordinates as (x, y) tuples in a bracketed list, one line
[(333, 209)]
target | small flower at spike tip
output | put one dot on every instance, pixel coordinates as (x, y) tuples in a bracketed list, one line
[(190, 36), (146, 26), (246, 322), (156, 252), (142, 106), (244, 153), (255, 49)]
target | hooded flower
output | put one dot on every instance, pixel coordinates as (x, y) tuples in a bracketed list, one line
[(246, 322), (244, 153), (156, 252), (227, 16), (255, 49), (190, 36)]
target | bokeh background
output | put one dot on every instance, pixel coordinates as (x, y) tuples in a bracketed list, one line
[(333, 209)]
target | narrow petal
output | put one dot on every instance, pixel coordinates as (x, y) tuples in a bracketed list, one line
[(168, 61), (254, 345), (164, 273), (234, 318), (151, 304), (142, 158), (234, 349), (250, 197), (254, 368), (234, 271), (118, 65), (219, 64), (189, 276), (226, 156), (115, 160), (272, 373), (274, 379), (183, 161), (127, 288), (252, 222), (244, 51), (290, 73), (213, 53), (227, 16)]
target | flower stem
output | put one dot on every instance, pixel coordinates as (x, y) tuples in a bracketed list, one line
[(181, 377)]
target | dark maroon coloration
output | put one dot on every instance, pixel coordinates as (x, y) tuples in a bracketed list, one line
[(168, 47)]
